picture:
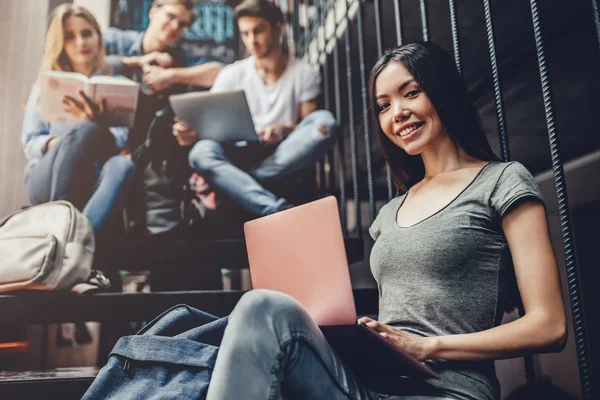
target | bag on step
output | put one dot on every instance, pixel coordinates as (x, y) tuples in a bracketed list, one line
[(161, 200), (47, 247), (170, 358)]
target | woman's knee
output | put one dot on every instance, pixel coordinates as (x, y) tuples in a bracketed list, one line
[(121, 167), (84, 131), (203, 153), (261, 305), (87, 140), (35, 191)]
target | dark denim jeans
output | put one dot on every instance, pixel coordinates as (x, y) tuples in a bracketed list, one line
[(83, 168)]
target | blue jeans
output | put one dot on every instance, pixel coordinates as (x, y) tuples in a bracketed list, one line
[(83, 168), (272, 349), (302, 148)]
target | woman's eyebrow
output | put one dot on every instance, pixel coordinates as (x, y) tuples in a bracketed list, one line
[(400, 88), (405, 84)]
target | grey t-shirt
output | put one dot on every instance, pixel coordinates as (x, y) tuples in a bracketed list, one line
[(446, 275)]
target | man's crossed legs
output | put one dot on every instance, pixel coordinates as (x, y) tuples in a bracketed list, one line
[(311, 139)]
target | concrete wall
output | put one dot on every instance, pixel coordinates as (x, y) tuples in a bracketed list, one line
[(22, 29)]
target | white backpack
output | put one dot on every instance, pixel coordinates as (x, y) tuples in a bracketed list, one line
[(46, 247)]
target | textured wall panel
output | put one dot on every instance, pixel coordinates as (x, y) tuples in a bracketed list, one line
[(22, 26)]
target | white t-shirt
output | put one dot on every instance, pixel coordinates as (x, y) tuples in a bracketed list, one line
[(278, 103)]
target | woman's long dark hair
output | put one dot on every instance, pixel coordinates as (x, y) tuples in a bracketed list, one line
[(435, 72)]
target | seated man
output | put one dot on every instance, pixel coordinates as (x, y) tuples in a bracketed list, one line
[(155, 59), (282, 94)]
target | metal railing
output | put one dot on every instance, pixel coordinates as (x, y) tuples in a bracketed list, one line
[(329, 22)]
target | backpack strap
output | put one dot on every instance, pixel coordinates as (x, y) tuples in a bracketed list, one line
[(96, 282)]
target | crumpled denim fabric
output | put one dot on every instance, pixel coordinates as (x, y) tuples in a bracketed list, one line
[(171, 358)]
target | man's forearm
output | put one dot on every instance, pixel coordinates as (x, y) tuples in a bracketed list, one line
[(202, 75), (132, 62)]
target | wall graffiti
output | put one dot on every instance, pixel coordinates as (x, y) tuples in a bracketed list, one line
[(212, 36)]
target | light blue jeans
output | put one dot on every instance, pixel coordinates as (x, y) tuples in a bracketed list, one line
[(302, 148), (272, 349), (83, 168)]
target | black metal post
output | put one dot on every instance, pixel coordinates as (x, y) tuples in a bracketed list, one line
[(424, 20), (365, 105), (296, 27), (340, 140), (330, 159), (504, 148), (378, 28), (321, 165), (351, 125), (563, 209), (455, 35), (596, 19), (326, 61), (398, 18)]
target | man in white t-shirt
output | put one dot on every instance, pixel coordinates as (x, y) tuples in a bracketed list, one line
[(282, 94)]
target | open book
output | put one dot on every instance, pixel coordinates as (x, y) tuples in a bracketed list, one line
[(120, 94)]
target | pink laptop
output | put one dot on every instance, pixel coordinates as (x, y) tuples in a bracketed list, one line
[(301, 252)]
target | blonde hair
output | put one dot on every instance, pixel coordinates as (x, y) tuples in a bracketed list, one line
[(54, 58)]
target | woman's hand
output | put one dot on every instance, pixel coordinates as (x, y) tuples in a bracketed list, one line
[(84, 108), (421, 348)]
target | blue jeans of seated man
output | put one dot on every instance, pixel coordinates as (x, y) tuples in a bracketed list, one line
[(272, 349), (83, 168), (302, 148)]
